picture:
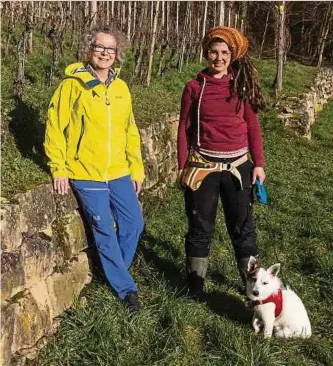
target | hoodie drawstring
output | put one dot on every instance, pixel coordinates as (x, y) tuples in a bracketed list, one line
[(199, 103)]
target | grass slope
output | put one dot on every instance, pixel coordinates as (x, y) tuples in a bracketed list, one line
[(295, 229)]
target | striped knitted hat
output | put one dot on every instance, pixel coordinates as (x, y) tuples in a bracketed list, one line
[(235, 40)]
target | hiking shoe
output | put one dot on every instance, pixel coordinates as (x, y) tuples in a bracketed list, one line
[(131, 302)]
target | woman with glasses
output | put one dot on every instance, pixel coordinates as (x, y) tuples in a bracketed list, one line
[(93, 144), (218, 129)]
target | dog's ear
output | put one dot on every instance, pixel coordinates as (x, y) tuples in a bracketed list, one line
[(274, 269), (252, 264)]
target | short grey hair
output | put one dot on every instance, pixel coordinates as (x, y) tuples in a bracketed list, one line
[(121, 40)]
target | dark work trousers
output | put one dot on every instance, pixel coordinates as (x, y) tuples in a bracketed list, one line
[(201, 208)]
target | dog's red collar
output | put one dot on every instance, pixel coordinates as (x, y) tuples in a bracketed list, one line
[(275, 298)]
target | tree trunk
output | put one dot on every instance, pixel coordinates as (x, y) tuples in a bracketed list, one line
[(21, 52), (182, 51), (189, 37), (221, 12), (203, 27), (215, 13), (281, 46), (163, 13), (55, 57), (152, 46), (123, 16), (86, 9), (139, 53), (177, 23), (243, 13), (107, 12), (151, 13), (167, 20), (302, 29), (134, 17), (264, 36), (324, 33), (10, 27), (30, 20), (229, 15), (129, 19)]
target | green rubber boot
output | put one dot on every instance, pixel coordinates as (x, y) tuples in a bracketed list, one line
[(196, 269), (242, 268)]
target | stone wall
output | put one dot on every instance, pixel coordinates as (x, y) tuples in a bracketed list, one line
[(44, 265), (299, 112), (159, 153)]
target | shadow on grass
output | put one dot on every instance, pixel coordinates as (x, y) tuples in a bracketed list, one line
[(28, 131), (172, 274), (219, 277), (228, 306), (220, 303)]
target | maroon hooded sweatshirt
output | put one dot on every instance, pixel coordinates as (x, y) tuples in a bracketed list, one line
[(222, 128)]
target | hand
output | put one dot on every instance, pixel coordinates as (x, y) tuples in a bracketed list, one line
[(259, 173), (61, 185), (137, 186)]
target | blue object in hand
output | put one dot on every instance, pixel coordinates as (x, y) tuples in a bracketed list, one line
[(261, 193)]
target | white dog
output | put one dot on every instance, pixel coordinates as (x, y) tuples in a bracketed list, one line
[(275, 308)]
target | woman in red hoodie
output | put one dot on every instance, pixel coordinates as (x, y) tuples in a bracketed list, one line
[(218, 128)]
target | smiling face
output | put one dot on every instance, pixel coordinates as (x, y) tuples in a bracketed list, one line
[(219, 57), (103, 51)]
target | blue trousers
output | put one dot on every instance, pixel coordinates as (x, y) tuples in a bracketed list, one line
[(105, 204)]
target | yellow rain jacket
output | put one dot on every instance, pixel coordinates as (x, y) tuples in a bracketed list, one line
[(91, 133)]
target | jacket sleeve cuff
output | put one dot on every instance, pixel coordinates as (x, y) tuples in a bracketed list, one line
[(137, 176), (57, 173)]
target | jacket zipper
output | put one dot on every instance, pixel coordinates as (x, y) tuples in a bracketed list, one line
[(80, 139), (107, 102)]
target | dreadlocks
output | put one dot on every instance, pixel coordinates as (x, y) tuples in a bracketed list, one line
[(245, 83)]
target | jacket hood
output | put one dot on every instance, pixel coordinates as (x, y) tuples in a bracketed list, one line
[(79, 71), (204, 74)]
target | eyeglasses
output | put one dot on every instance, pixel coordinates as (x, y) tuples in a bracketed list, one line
[(99, 48), (214, 53)]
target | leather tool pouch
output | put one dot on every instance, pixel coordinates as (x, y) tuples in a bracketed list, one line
[(196, 170)]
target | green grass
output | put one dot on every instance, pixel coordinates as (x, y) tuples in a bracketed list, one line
[(294, 229), (297, 78)]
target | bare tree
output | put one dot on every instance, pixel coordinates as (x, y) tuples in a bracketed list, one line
[(177, 22), (21, 52), (243, 17), (152, 45), (221, 13), (264, 36), (182, 51), (203, 27), (324, 32), (129, 19), (140, 41), (281, 19), (9, 9), (30, 7)]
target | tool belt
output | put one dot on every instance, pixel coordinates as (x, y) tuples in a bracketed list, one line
[(197, 168)]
